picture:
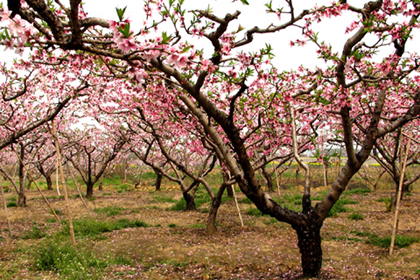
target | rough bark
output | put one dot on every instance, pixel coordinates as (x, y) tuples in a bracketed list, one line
[(49, 182), (159, 178), (89, 189), (309, 242), (268, 179), (190, 201), (211, 220)]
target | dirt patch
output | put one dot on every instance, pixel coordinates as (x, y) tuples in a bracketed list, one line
[(176, 245)]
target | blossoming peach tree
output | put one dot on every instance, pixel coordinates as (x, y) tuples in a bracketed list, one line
[(234, 93)]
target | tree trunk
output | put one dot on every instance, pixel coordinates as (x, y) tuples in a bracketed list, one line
[(49, 183), (158, 181), (22, 179), (268, 179), (190, 201), (230, 192), (101, 183), (89, 189), (310, 249), (211, 220)]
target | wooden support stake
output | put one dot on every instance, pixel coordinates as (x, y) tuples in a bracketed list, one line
[(399, 194), (37, 187), (77, 186), (63, 183), (237, 205), (5, 209)]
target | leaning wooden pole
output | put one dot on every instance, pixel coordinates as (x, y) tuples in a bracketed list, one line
[(5, 209), (63, 182), (277, 181), (237, 205), (75, 184), (399, 194), (37, 187)]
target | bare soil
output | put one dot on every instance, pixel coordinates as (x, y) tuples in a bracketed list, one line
[(176, 245)]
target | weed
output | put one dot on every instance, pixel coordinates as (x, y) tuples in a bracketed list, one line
[(343, 238), (71, 262), (175, 263), (254, 212), (109, 211), (197, 226), (11, 204), (92, 198), (356, 216), (172, 225), (205, 210), (93, 228), (339, 206), (384, 242), (51, 220), (179, 206), (387, 201), (359, 191), (271, 221), (13, 198), (245, 200), (106, 194), (35, 233), (164, 199), (57, 211), (359, 233)]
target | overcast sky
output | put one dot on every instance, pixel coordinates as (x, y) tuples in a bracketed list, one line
[(330, 30)]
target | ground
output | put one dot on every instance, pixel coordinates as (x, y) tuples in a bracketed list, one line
[(175, 245)]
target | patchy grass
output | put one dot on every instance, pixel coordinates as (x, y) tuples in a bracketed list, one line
[(339, 206), (93, 228), (11, 204), (384, 242), (35, 233), (356, 216), (73, 262), (109, 211)]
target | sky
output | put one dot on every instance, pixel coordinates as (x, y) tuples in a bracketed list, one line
[(286, 57)]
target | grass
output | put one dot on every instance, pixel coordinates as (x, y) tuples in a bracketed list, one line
[(339, 206), (197, 226), (358, 191), (93, 228), (35, 233), (11, 204), (164, 199), (401, 241), (109, 211), (73, 262), (356, 217), (384, 242), (172, 225), (387, 201), (254, 212)]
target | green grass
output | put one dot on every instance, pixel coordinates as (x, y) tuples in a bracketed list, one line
[(73, 262), (172, 225), (245, 200), (339, 206), (11, 204), (387, 201), (356, 217), (34, 233), (57, 211), (181, 205), (197, 226), (109, 211), (254, 212), (105, 194), (358, 191), (384, 242), (343, 238), (164, 199), (93, 228)]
